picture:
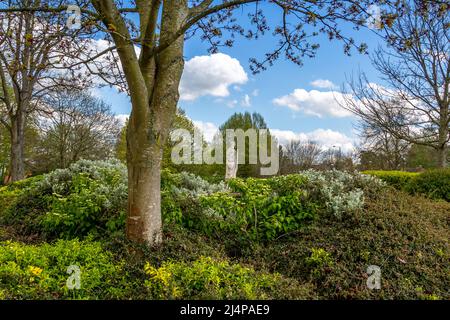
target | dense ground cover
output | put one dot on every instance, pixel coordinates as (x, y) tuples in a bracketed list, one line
[(305, 236)]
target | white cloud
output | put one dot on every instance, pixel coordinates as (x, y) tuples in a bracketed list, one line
[(208, 129), (122, 118), (255, 93), (323, 84), (246, 102), (232, 103), (326, 138), (315, 103), (211, 75)]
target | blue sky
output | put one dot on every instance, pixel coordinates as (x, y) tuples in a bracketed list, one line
[(284, 94)]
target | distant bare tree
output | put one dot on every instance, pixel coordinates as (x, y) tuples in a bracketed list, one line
[(301, 155), (336, 158), (381, 150), (75, 125), (415, 105)]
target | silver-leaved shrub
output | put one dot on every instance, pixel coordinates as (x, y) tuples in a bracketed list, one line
[(341, 192)]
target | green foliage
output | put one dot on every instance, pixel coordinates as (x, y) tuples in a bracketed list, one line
[(260, 208), (264, 209), (7, 197), (207, 224), (180, 193), (87, 198), (406, 236), (422, 156), (10, 194), (319, 260), (208, 278), (40, 272), (90, 197), (433, 183), (180, 121), (397, 179), (85, 208), (121, 144)]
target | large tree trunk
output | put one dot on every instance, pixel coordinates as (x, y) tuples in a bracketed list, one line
[(443, 135), (149, 125), (153, 80), (17, 148), (144, 220), (442, 157)]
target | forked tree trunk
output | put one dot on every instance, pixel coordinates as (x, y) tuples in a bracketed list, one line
[(153, 80)]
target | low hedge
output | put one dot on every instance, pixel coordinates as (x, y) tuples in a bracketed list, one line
[(397, 179), (434, 184)]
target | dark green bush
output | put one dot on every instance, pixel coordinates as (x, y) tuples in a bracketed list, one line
[(434, 184), (406, 236), (261, 209)]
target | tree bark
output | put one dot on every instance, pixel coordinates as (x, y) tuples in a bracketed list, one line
[(144, 220), (17, 147), (153, 82), (443, 135), (442, 157)]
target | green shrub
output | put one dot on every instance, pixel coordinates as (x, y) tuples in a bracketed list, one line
[(208, 278), (10, 193), (434, 184), (319, 258), (180, 193), (88, 197), (340, 192), (397, 179), (406, 236), (7, 197), (259, 208), (40, 272), (318, 261), (264, 209)]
